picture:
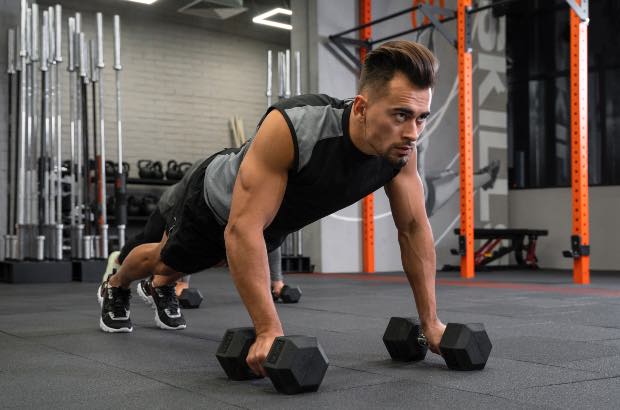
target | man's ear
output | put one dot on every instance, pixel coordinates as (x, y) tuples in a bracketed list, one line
[(359, 106)]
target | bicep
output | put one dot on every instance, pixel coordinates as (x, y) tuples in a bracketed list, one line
[(263, 174)]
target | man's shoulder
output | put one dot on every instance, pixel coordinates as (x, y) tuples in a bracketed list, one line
[(311, 100)]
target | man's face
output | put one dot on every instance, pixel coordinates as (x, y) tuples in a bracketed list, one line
[(394, 119)]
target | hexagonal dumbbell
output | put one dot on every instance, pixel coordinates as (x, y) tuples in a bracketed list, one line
[(463, 346), (404, 340), (295, 364), (190, 298), (290, 294)]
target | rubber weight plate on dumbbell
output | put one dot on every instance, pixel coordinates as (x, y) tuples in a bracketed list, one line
[(401, 339), (190, 298), (233, 351), (296, 364), (465, 346)]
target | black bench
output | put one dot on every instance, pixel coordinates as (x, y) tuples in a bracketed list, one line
[(524, 251)]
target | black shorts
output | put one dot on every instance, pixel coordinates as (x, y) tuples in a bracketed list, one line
[(152, 233), (195, 238)]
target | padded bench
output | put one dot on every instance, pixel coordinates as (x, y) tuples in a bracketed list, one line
[(523, 250)]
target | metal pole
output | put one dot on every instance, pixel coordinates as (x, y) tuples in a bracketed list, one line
[(34, 130), (50, 232), (297, 73), (281, 86), (57, 254), (76, 228), (287, 74), (58, 58), (300, 246), (10, 239), (92, 73), (78, 245), (44, 160), (269, 75), (70, 70), (83, 102), (103, 218), (120, 184), (21, 160), (30, 208)]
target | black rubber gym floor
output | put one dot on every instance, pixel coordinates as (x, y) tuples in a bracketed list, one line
[(555, 345)]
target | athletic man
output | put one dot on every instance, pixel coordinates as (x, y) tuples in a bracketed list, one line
[(311, 156)]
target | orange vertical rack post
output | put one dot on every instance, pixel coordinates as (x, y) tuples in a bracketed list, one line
[(579, 142), (368, 203), (466, 140)]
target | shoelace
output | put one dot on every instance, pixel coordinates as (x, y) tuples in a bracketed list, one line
[(169, 298), (120, 301)]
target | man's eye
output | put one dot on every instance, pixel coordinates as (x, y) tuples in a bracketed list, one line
[(422, 119), (400, 117)]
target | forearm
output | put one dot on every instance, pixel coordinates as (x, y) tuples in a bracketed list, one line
[(247, 259), (419, 263)]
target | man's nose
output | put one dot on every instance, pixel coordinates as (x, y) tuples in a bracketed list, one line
[(411, 134)]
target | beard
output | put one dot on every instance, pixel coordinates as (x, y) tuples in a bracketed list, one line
[(397, 161)]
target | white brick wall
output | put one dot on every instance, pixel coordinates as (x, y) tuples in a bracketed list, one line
[(180, 85)]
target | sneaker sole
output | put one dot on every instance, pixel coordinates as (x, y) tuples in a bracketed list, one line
[(108, 329), (149, 301), (164, 326)]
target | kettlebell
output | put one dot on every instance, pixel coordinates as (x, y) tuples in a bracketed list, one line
[(66, 167), (156, 170), (126, 169), (184, 167), (110, 168), (133, 206), (173, 171), (145, 168), (149, 204)]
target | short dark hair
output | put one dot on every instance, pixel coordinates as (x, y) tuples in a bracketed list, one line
[(412, 59)]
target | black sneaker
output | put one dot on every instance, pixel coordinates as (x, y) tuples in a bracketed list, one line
[(114, 309), (164, 301)]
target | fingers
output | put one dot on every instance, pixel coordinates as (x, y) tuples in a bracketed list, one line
[(256, 358)]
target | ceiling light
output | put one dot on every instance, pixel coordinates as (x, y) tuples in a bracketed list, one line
[(262, 18), (144, 1)]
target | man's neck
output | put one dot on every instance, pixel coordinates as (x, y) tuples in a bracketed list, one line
[(356, 133)]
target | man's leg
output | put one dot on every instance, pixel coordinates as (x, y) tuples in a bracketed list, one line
[(140, 263), (151, 233), (114, 292)]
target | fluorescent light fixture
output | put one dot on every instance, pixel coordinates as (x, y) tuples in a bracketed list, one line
[(262, 18), (144, 1)]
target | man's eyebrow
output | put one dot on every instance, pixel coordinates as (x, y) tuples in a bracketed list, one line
[(409, 111)]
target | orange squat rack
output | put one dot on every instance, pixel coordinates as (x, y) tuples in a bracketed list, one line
[(368, 203), (433, 17)]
